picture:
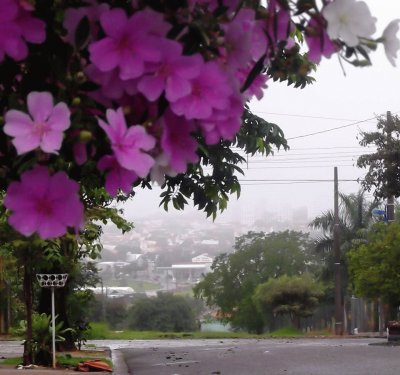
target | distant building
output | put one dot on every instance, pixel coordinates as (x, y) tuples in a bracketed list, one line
[(187, 273), (113, 291), (202, 258)]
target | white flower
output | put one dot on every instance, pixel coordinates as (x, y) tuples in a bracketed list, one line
[(161, 168), (349, 20), (390, 41)]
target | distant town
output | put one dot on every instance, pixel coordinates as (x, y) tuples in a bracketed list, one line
[(175, 253)]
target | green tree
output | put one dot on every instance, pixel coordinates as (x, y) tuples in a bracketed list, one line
[(383, 167), (257, 257), (374, 266), (296, 296), (166, 312), (355, 219)]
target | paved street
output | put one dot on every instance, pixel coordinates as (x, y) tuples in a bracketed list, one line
[(264, 357), (355, 356)]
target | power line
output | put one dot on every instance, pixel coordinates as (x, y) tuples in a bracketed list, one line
[(315, 148), (303, 166), (299, 180), (296, 160), (332, 129), (304, 116), (289, 154), (291, 183)]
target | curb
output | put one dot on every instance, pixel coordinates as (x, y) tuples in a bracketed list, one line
[(119, 364)]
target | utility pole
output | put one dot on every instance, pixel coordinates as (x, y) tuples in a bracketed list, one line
[(336, 249)]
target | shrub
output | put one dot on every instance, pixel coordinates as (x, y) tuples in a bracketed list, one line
[(166, 313)]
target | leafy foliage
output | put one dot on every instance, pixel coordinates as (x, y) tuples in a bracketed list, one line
[(296, 296), (355, 219), (166, 313), (374, 266), (258, 256), (42, 336), (383, 175)]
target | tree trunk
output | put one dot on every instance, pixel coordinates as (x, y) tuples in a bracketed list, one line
[(28, 294), (69, 343)]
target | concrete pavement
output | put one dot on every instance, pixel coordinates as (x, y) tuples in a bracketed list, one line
[(9, 349), (14, 349)]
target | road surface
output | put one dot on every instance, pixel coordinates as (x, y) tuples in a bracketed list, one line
[(263, 357)]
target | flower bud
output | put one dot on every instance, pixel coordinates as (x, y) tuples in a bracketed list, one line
[(85, 136), (76, 101), (80, 77)]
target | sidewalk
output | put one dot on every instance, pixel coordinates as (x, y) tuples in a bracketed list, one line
[(9, 349)]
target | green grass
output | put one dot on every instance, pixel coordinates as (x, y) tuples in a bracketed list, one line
[(101, 331), (13, 361), (286, 332), (71, 361)]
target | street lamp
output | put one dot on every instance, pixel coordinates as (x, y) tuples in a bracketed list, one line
[(52, 281)]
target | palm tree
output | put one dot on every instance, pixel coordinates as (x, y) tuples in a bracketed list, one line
[(355, 218)]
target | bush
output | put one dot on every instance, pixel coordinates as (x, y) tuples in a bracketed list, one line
[(166, 313), (42, 337)]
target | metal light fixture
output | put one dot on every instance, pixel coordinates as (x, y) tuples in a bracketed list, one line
[(52, 281)]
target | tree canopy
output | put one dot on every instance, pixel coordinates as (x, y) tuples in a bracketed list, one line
[(257, 257), (374, 266), (296, 296), (383, 167)]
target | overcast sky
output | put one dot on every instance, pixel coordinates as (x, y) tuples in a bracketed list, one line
[(334, 100)]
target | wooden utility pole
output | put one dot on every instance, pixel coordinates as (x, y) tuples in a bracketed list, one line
[(336, 249)]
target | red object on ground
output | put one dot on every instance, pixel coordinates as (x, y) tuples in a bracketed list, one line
[(94, 365)]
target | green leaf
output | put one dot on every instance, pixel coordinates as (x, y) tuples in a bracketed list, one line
[(255, 71), (82, 33)]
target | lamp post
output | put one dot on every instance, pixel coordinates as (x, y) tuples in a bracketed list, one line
[(52, 281)]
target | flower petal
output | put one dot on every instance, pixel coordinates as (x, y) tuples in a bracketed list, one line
[(17, 123), (60, 117), (51, 141), (104, 54), (26, 143), (23, 223), (40, 105)]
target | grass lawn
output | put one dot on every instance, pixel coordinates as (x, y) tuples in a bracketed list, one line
[(100, 331)]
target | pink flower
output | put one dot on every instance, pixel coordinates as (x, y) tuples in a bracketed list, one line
[(223, 124), (128, 144), (80, 153), (112, 86), (17, 27), (209, 90), (237, 43), (318, 40), (214, 4), (172, 74), (117, 177), (278, 23), (73, 16), (129, 43), (43, 128), (177, 142), (44, 204), (257, 86), (245, 40)]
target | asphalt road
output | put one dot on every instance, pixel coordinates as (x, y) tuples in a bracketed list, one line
[(263, 357)]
